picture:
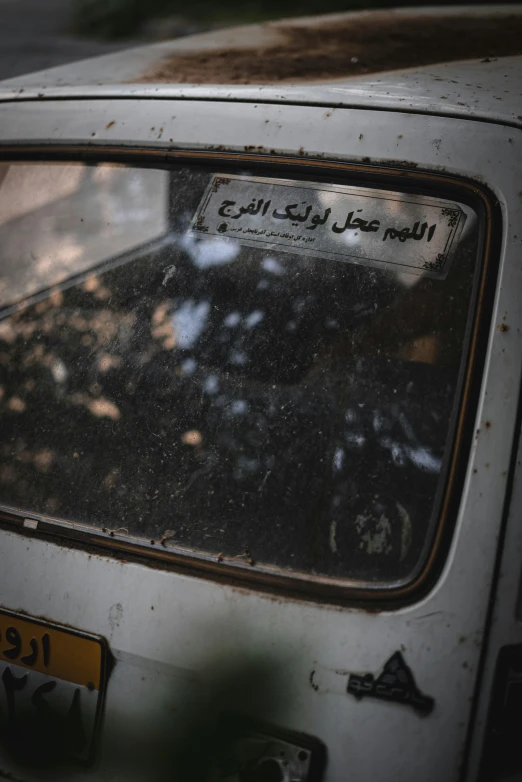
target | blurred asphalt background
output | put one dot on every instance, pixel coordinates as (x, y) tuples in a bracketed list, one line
[(34, 34)]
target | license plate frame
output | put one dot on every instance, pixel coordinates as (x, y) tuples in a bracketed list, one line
[(56, 676)]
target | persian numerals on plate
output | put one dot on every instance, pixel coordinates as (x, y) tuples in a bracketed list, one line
[(52, 684)]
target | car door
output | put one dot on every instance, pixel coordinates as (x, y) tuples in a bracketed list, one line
[(260, 382)]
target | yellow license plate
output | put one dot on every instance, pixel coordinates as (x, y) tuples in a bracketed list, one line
[(52, 689)]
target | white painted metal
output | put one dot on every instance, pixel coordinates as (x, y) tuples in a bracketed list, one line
[(506, 625), (167, 630)]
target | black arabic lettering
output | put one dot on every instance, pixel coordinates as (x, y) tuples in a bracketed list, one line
[(224, 206), (393, 233), (252, 208), (302, 218), (350, 224), (13, 637), (76, 730), (318, 220), (37, 698), (373, 225), (12, 684), (415, 234), (287, 214), (30, 659), (406, 233)]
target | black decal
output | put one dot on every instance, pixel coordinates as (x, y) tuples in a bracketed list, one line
[(395, 683)]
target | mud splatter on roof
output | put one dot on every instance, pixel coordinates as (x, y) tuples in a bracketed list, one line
[(351, 46)]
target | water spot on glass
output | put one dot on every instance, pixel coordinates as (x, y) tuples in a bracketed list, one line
[(270, 264), (210, 252), (189, 366), (189, 322), (211, 384), (238, 357), (239, 407), (254, 318), (232, 319), (59, 371), (338, 459)]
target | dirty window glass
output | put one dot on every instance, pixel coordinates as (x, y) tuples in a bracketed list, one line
[(264, 405)]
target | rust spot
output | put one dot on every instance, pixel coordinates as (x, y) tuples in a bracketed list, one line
[(349, 47), (110, 124), (503, 327), (488, 424)]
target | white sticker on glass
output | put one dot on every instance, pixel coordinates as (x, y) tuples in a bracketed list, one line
[(410, 233)]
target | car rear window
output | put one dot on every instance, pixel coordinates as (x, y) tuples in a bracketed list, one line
[(284, 399)]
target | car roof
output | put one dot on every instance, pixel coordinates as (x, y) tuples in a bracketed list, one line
[(461, 61)]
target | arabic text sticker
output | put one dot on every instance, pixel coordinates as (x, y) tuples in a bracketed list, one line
[(410, 233)]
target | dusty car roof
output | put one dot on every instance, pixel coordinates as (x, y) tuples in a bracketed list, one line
[(461, 61)]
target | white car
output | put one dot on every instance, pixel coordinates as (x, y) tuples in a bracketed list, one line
[(260, 366)]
